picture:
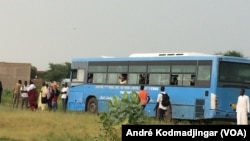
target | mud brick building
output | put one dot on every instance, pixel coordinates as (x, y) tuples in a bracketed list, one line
[(10, 73)]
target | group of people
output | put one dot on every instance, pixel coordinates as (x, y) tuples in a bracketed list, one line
[(45, 98), (163, 112), (28, 95)]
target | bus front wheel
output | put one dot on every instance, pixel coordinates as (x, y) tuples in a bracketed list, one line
[(92, 105)]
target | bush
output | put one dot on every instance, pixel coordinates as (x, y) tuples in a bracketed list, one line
[(124, 110)]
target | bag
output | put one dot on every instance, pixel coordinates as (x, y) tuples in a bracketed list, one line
[(44, 100), (165, 100)]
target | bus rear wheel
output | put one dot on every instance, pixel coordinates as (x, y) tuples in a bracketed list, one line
[(92, 105)]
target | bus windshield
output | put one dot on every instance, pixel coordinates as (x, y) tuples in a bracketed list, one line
[(230, 72)]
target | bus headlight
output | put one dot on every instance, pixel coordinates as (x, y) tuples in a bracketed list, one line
[(214, 102)]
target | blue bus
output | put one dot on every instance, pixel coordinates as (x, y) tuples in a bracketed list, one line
[(200, 86)]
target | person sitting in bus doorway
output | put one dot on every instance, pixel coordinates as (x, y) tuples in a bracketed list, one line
[(144, 97), (242, 108), (163, 106)]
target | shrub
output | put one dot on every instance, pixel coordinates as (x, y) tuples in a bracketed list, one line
[(124, 110)]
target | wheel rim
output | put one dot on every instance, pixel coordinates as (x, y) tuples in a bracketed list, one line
[(92, 107)]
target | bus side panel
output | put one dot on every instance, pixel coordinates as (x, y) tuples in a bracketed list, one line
[(76, 99), (189, 103), (187, 111), (226, 97)]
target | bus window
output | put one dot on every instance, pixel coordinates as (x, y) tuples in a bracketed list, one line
[(154, 79), (99, 78), (174, 80), (165, 78), (74, 74), (159, 79), (159, 68), (184, 68), (78, 75), (133, 78), (231, 73), (188, 80), (112, 78), (204, 72), (100, 68)]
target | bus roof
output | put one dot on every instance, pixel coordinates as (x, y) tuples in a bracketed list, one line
[(167, 54), (161, 56)]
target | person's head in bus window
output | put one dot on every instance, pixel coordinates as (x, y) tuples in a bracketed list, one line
[(123, 78), (142, 79), (90, 78)]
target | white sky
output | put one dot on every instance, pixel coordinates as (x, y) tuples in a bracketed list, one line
[(55, 31)]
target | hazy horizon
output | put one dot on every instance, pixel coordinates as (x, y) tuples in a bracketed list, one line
[(42, 31)]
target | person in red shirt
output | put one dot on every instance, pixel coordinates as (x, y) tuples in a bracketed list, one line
[(33, 95), (143, 97)]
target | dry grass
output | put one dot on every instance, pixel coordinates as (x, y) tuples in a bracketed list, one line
[(25, 125)]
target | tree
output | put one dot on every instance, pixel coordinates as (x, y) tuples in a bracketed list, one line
[(33, 72), (231, 53), (57, 72)]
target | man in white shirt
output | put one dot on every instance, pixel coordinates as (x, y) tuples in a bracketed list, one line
[(161, 110), (24, 94), (242, 108), (64, 96)]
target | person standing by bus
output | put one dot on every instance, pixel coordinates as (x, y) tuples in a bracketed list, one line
[(64, 96), (163, 107), (242, 108), (144, 97)]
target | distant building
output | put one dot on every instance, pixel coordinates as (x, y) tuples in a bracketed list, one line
[(10, 73)]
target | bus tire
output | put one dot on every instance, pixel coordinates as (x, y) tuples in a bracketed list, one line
[(92, 105)]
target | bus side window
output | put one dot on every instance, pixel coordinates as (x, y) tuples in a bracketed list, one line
[(143, 78), (174, 80), (132, 78)]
